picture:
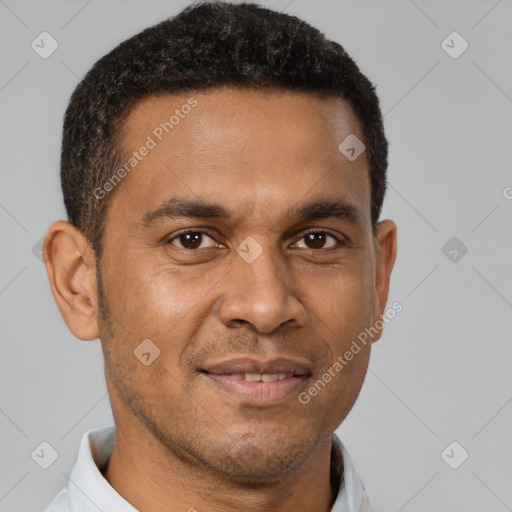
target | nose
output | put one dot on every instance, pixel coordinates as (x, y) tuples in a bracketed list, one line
[(260, 293)]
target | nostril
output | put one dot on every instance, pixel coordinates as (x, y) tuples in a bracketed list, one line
[(238, 321)]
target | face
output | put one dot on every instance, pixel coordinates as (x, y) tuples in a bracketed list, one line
[(240, 244)]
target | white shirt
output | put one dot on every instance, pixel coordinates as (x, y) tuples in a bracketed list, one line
[(88, 490)]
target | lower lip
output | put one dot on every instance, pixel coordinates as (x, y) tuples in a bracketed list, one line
[(266, 393)]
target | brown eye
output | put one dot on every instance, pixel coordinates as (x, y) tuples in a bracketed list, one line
[(318, 240), (191, 240)]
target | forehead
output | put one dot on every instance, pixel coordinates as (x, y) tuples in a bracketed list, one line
[(248, 149)]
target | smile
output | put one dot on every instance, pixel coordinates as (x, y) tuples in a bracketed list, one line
[(259, 389)]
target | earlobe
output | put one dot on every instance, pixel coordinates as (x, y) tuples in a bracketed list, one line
[(71, 267), (385, 259)]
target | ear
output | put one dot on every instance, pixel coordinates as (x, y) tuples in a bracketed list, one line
[(71, 267), (385, 254)]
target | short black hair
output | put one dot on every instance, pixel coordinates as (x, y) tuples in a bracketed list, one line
[(207, 45)]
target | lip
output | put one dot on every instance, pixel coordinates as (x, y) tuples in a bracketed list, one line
[(297, 367), (223, 374)]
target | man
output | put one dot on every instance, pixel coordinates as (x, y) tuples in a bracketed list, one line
[(223, 174)]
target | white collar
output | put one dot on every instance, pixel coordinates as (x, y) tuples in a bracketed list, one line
[(88, 490)]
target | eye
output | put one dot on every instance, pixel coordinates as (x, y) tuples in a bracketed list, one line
[(318, 239), (191, 240)]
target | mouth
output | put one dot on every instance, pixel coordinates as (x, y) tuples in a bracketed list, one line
[(259, 382)]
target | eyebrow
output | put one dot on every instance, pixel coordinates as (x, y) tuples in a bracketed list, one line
[(176, 208), (328, 209)]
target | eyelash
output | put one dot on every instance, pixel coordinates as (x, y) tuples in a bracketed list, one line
[(341, 243)]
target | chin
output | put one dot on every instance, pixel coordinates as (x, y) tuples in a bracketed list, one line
[(259, 457)]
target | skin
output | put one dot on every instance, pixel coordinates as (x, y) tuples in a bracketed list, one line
[(260, 156)]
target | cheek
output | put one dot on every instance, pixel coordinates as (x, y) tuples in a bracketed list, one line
[(166, 306), (343, 303), (153, 300)]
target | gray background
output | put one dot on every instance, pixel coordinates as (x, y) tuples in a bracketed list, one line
[(441, 372)]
